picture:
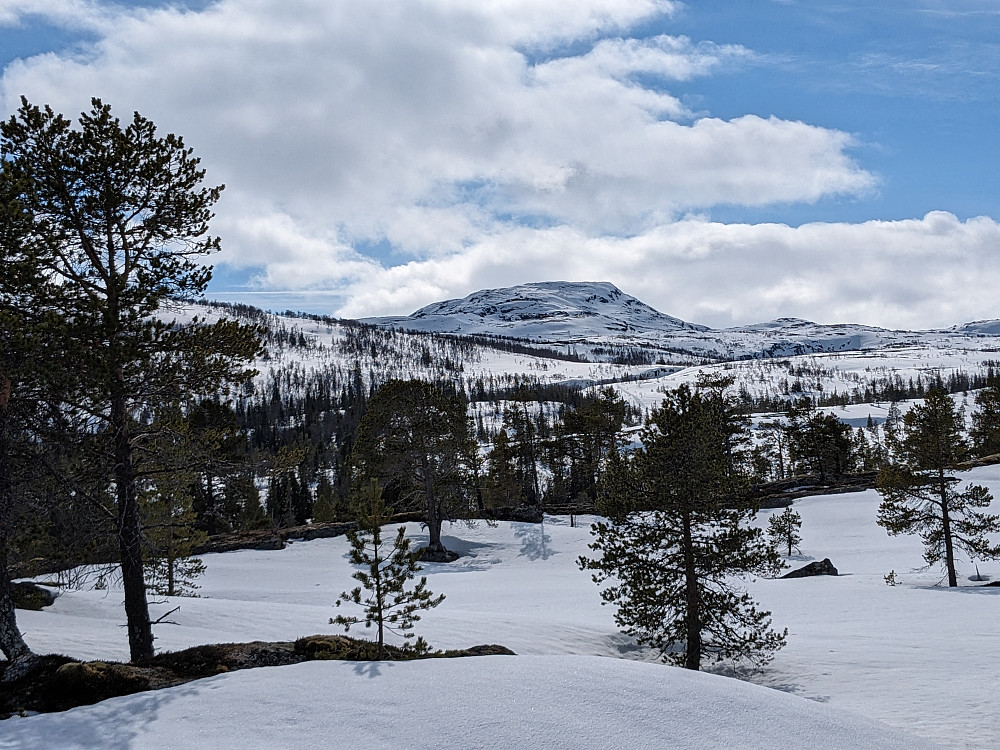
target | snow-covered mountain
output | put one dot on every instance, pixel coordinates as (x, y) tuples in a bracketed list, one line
[(546, 311), (596, 317)]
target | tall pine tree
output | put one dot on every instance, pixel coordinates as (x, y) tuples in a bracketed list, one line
[(126, 216), (677, 536), (920, 496), (414, 440)]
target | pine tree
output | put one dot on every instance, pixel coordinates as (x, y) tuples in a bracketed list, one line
[(920, 497), (591, 436), (985, 432), (678, 535), (503, 489), (25, 365), (323, 509), (388, 603), (783, 529), (126, 216), (414, 440), (819, 443), (169, 528), (242, 491)]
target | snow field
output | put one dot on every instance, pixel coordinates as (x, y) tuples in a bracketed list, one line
[(917, 656)]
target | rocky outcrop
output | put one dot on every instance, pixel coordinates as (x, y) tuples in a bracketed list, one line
[(822, 568)]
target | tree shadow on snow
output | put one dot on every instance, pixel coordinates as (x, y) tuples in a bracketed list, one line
[(798, 558), (105, 725), (473, 556), (371, 669), (535, 543)]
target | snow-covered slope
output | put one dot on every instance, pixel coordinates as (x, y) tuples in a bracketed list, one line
[(544, 311), (594, 316), (917, 656), (529, 702)]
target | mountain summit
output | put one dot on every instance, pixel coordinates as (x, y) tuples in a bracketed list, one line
[(601, 321), (549, 310)]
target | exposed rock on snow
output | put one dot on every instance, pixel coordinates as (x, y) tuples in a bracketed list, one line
[(822, 568), (29, 595)]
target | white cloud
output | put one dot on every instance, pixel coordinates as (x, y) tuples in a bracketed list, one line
[(919, 273), (430, 123), (469, 137), (73, 14)]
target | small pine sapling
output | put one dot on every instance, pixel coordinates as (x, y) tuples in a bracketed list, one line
[(783, 529), (388, 603)]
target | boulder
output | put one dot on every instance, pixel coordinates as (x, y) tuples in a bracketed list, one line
[(822, 568), (31, 596)]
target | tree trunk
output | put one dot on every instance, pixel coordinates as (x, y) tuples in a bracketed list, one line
[(692, 658), (11, 642), (435, 550), (140, 630), (949, 547), (380, 596)]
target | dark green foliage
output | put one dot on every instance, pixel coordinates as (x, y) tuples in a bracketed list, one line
[(414, 440), (125, 217), (218, 450), (677, 535), (31, 596), (323, 509), (587, 437), (783, 529), (31, 376), (522, 451), (920, 497), (819, 443), (170, 532), (388, 602), (985, 432)]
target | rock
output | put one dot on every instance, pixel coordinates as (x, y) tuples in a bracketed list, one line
[(441, 555), (822, 568), (31, 596)]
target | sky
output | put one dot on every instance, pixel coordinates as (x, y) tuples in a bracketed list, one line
[(727, 163)]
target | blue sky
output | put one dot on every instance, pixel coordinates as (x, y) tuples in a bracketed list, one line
[(725, 162)]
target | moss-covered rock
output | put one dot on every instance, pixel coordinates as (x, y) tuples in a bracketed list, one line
[(57, 683), (29, 595)]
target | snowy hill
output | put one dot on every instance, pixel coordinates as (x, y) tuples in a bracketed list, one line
[(916, 656), (597, 317), (529, 702), (546, 311)]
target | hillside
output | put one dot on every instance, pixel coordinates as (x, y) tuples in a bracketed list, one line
[(873, 653), (600, 319), (914, 656), (573, 346)]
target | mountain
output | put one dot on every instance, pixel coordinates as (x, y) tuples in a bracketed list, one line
[(547, 311), (601, 321)]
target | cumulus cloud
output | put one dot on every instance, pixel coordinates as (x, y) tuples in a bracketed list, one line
[(492, 143), (350, 118), (920, 273)]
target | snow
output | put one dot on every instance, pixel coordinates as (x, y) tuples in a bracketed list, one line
[(865, 662), (573, 702), (588, 314), (866, 665)]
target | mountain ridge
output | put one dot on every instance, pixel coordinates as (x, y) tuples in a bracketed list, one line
[(599, 315)]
